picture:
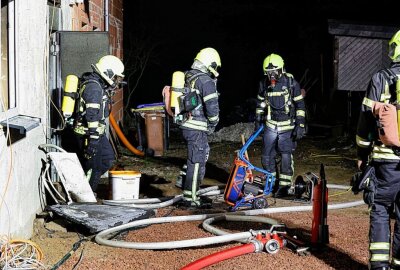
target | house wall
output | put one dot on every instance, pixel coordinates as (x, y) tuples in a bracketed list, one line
[(20, 163)]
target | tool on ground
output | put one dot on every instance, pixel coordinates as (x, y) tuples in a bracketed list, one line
[(243, 188)]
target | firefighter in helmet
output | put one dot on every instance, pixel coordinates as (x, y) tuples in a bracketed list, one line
[(382, 161), (200, 122), (281, 108), (94, 106)]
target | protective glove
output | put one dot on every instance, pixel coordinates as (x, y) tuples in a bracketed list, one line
[(91, 149), (210, 130), (298, 132)]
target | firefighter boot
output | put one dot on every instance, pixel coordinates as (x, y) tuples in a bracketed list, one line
[(282, 192)]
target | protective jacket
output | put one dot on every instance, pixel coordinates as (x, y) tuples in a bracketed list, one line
[(206, 115), (382, 189), (90, 126), (381, 89), (282, 106), (93, 107)]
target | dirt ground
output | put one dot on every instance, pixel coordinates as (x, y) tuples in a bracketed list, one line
[(348, 228)]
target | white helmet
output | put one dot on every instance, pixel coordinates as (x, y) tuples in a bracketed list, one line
[(110, 68), (209, 57)]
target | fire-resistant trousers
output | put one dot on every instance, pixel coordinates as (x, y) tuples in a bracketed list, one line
[(197, 156), (383, 203), (274, 143), (100, 163)]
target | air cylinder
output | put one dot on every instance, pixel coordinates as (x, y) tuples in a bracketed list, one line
[(68, 102), (178, 83)]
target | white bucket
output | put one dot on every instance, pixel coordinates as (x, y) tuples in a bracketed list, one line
[(124, 184)]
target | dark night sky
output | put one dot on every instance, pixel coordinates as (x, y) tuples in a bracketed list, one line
[(244, 33)]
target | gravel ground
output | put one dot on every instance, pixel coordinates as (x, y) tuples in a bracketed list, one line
[(348, 228)]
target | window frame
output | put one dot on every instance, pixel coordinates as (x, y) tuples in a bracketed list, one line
[(12, 82)]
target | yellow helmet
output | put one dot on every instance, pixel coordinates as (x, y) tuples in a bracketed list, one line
[(110, 68), (273, 62), (394, 47), (209, 57)]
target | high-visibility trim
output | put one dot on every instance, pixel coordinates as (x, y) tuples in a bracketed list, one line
[(284, 183), (368, 102), (286, 97), (395, 261), (284, 128), (81, 130), (93, 105), (298, 98), (300, 113), (385, 96), (383, 152), (379, 258), (260, 98), (385, 156), (361, 142), (259, 111), (286, 177), (281, 123), (194, 124), (278, 93), (92, 136), (94, 124), (213, 118), (194, 182), (379, 245), (210, 96), (301, 125), (101, 129)]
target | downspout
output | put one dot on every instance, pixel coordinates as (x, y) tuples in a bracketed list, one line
[(106, 15)]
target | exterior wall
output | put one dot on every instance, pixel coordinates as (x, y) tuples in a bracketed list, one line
[(20, 163), (92, 19)]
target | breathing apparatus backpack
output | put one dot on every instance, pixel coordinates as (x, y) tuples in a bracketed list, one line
[(184, 98), (72, 92), (388, 114)]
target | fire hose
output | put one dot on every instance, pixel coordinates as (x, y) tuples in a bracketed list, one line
[(123, 138)]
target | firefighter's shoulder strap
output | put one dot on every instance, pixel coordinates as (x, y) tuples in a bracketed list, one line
[(290, 84), (190, 79), (85, 82), (391, 78)]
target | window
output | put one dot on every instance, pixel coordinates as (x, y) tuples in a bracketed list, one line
[(7, 81)]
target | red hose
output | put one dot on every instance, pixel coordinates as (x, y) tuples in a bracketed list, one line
[(220, 256), (122, 137)]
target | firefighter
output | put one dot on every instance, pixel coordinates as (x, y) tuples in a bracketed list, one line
[(200, 122), (281, 108), (382, 192), (94, 106)]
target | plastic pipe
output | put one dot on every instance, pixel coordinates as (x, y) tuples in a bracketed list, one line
[(161, 202), (221, 256), (123, 138), (102, 237)]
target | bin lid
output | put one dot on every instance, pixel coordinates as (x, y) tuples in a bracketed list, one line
[(131, 173)]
